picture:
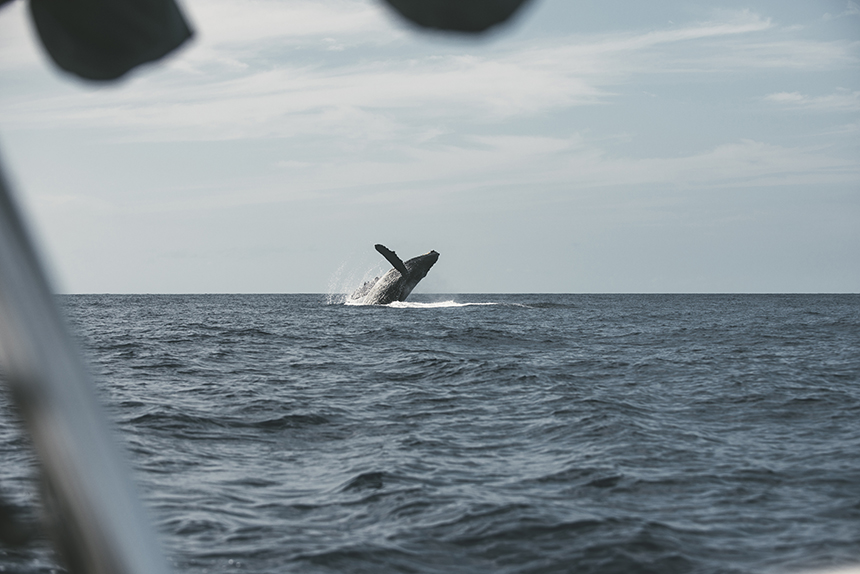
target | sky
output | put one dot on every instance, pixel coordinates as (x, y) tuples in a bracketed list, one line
[(586, 147)]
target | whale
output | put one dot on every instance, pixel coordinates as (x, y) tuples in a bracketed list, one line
[(398, 283)]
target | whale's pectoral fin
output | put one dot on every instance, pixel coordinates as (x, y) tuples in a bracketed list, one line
[(392, 258)]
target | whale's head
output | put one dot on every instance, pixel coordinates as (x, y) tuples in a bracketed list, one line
[(398, 283), (422, 264), (419, 266)]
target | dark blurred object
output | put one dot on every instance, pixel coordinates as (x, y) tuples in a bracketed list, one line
[(104, 39), (457, 15), (14, 530)]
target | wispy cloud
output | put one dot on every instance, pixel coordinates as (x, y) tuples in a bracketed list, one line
[(241, 34), (527, 169), (851, 9), (261, 70), (839, 101), (265, 70)]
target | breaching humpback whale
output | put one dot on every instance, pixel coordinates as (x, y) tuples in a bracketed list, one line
[(398, 283)]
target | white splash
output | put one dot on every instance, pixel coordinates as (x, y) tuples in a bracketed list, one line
[(334, 293), (344, 282), (434, 305)]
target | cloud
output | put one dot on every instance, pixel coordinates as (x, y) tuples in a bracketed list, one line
[(840, 101), (410, 114), (240, 34), (518, 170), (851, 9), (266, 69)]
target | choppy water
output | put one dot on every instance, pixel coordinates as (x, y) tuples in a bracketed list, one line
[(480, 433)]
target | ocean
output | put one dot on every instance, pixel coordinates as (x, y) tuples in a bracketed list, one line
[(477, 433)]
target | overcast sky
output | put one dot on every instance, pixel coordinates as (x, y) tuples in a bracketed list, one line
[(601, 146)]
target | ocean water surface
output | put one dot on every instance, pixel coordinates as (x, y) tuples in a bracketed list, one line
[(478, 433)]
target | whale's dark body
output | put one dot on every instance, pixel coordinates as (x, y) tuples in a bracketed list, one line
[(398, 283)]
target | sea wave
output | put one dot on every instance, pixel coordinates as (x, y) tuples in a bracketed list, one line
[(503, 433)]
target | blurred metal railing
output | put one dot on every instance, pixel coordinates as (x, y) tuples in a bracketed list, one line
[(95, 519)]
